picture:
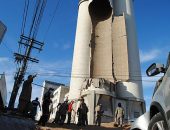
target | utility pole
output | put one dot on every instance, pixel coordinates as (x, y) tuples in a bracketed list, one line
[(30, 44)]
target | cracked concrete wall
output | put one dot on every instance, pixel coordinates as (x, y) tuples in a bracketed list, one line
[(106, 46), (120, 50)]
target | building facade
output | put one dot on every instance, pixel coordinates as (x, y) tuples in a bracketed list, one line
[(3, 91), (58, 95), (3, 29)]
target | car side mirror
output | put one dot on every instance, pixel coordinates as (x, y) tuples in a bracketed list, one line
[(155, 69)]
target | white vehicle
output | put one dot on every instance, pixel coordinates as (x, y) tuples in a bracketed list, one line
[(158, 117)]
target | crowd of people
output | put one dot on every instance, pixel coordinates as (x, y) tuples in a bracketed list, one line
[(28, 108), (64, 109)]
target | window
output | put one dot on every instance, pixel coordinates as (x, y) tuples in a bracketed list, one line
[(136, 114)]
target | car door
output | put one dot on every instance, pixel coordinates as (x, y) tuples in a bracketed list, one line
[(166, 89)]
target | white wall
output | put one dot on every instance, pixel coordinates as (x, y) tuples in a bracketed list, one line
[(3, 88), (46, 86), (81, 56), (59, 97), (2, 31)]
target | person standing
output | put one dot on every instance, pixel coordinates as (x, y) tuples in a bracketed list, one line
[(79, 114), (63, 111), (35, 104), (82, 113), (70, 108), (48, 93), (119, 115), (98, 114), (46, 109), (25, 96), (57, 115)]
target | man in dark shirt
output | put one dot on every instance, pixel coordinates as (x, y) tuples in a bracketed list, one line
[(82, 113), (98, 114), (25, 96), (35, 104), (48, 93), (57, 116), (63, 111), (45, 109)]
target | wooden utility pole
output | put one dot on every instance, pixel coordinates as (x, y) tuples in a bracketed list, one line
[(23, 59)]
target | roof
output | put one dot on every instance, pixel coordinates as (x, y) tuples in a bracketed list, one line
[(54, 83)]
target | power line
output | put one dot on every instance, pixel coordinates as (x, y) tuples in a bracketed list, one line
[(37, 6), (53, 73), (24, 16), (38, 20), (74, 74), (77, 76), (24, 20), (54, 13)]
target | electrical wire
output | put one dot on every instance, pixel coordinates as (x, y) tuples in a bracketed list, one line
[(50, 23), (77, 76), (26, 6), (37, 6), (82, 75), (53, 73), (38, 20)]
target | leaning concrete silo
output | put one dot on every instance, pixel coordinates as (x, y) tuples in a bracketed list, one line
[(106, 66)]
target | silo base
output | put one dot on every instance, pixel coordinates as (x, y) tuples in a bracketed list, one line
[(100, 91)]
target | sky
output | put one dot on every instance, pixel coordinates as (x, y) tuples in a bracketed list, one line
[(153, 30)]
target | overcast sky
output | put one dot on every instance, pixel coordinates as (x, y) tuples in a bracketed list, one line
[(153, 29)]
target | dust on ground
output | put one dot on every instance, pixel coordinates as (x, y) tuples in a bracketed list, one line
[(104, 126)]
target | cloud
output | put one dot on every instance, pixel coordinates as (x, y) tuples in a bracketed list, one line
[(62, 66), (66, 46), (55, 45), (148, 99), (148, 56), (62, 45), (4, 59), (149, 82), (47, 71), (52, 71)]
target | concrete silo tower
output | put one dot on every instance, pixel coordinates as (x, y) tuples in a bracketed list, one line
[(106, 66)]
